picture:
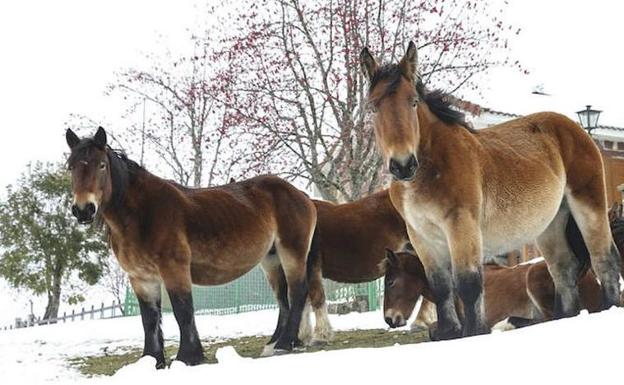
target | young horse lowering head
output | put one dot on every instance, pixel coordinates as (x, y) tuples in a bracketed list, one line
[(395, 93), (404, 281), (89, 166)]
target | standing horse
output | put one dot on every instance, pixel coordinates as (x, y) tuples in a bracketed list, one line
[(352, 240), (161, 232), (464, 193)]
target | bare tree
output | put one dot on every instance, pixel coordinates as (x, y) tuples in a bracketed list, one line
[(188, 124), (300, 91), (115, 280)]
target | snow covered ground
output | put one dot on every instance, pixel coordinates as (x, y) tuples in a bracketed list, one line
[(584, 348)]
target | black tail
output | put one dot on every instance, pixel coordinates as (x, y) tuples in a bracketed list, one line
[(617, 231), (577, 245), (313, 254)]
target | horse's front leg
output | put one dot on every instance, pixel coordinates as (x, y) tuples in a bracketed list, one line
[(438, 269), (465, 246), (426, 316), (176, 276), (148, 295)]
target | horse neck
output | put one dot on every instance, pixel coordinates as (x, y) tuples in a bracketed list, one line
[(117, 214), (435, 134), (426, 121)]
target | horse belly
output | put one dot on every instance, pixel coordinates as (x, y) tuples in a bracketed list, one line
[(509, 225), (220, 262)]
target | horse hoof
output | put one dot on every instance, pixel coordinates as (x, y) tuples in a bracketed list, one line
[(268, 350), (322, 335), (418, 328), (191, 361), (438, 334), (318, 343), (281, 352)]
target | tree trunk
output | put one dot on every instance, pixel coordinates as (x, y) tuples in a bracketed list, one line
[(54, 300)]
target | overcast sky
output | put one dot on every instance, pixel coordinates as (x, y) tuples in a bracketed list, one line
[(58, 56)]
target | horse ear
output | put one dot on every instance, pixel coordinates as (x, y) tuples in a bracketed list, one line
[(71, 138), (409, 63), (391, 257), (232, 180), (100, 138), (368, 64)]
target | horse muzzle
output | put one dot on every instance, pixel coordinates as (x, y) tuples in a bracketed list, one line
[(395, 321), (86, 214), (405, 169)]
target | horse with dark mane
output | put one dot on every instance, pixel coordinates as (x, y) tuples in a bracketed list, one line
[(162, 232), (465, 193)]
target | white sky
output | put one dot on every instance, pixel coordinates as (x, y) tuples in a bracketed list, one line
[(56, 58)]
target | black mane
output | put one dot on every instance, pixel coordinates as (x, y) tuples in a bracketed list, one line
[(122, 170), (438, 101)]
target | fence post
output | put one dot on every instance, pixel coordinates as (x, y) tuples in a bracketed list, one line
[(102, 311), (82, 313), (113, 310), (72, 315), (237, 295), (64, 316), (92, 311), (372, 296)]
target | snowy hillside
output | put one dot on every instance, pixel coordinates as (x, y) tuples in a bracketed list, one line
[(581, 349)]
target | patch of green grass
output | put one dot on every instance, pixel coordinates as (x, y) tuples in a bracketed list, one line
[(108, 363)]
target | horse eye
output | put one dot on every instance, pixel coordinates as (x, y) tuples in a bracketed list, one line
[(391, 282), (102, 165), (70, 168)]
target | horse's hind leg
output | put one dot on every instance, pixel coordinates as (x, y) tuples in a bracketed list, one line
[(275, 275), (590, 212), (562, 264), (177, 279), (148, 294), (293, 259), (322, 330)]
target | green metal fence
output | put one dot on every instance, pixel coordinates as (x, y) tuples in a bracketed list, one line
[(251, 292)]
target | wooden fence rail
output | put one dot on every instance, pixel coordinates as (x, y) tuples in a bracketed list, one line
[(112, 311)]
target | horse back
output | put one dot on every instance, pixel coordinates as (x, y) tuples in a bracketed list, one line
[(505, 293), (354, 236)]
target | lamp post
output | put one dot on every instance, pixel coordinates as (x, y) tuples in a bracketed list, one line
[(588, 118)]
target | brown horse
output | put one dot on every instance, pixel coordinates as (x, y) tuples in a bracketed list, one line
[(525, 293), (161, 232), (352, 240), (458, 189)]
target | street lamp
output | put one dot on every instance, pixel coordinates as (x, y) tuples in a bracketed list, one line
[(588, 118)]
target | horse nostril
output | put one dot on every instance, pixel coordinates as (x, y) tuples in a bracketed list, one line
[(412, 164), (90, 209), (394, 168), (75, 211), (389, 322)]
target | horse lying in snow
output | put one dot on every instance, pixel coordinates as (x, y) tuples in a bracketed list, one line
[(523, 294)]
